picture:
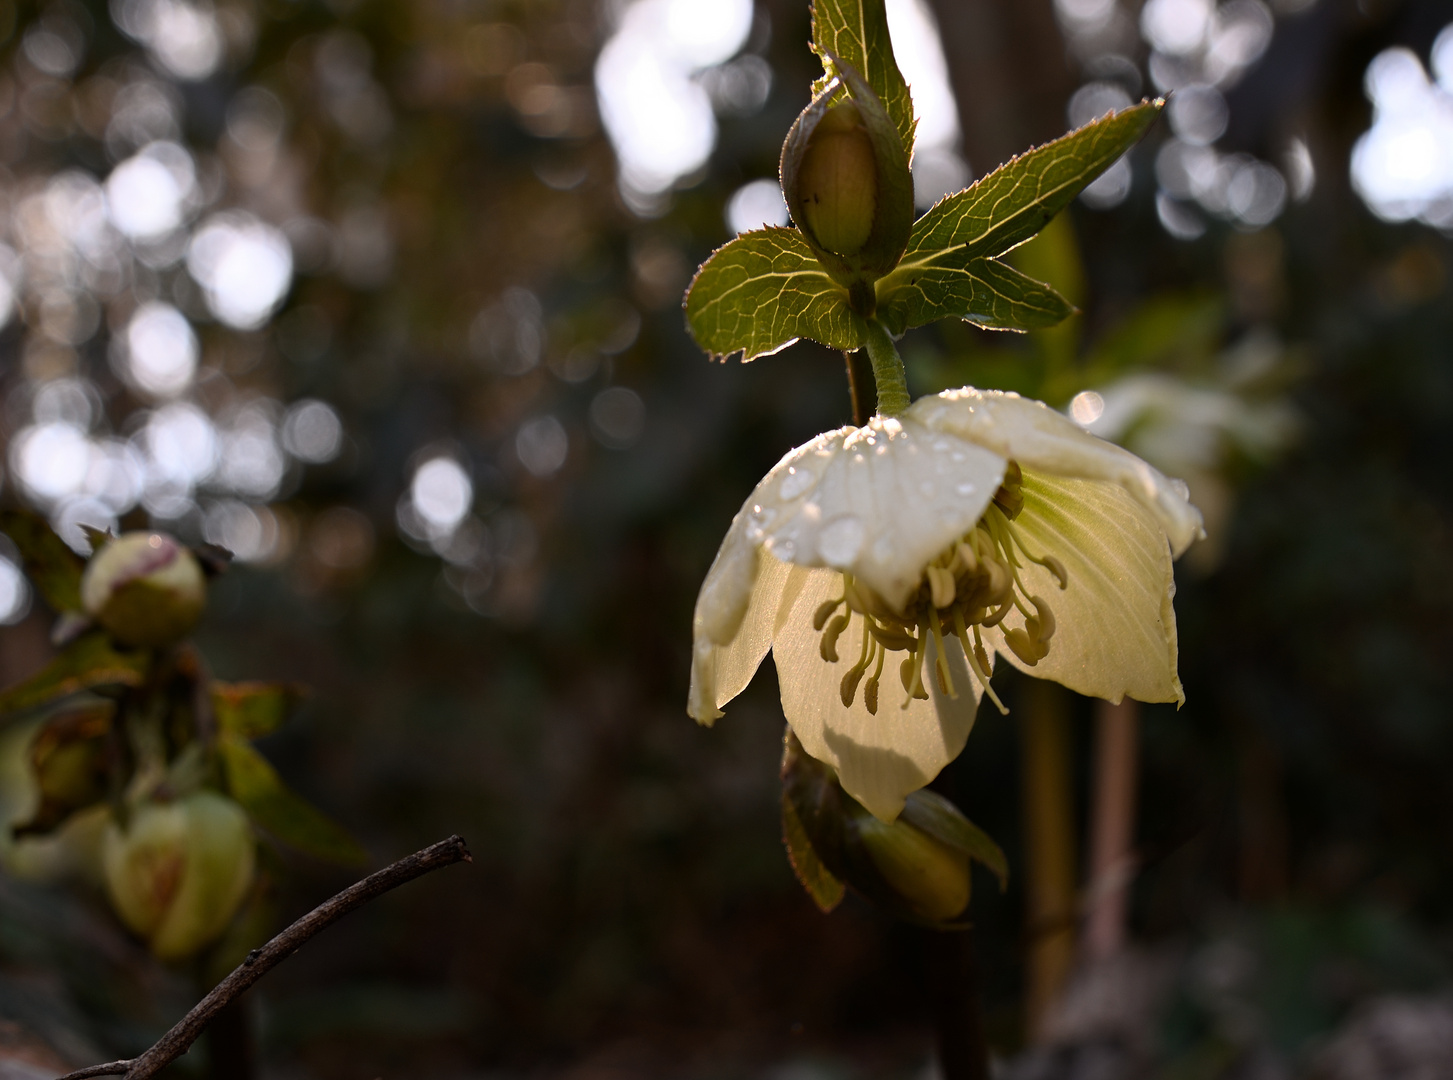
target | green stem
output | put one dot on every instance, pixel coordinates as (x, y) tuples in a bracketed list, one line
[(888, 371)]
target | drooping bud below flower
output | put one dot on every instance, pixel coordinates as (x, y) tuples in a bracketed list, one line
[(177, 872), (915, 867), (146, 589), (931, 877), (837, 185)]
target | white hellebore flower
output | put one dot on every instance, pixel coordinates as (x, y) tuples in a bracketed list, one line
[(977, 522)]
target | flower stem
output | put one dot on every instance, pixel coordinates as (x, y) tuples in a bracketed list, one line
[(888, 373)]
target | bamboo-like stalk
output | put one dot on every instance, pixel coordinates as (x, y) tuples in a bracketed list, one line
[(1049, 840), (1112, 827)]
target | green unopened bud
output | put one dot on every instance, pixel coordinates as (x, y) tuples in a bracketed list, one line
[(146, 589), (931, 877), (845, 177), (837, 182), (178, 871)]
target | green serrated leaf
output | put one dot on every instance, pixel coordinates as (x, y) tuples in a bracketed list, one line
[(983, 291), (249, 710), (941, 819), (857, 31), (764, 290), (1017, 199), (825, 889), (254, 783), (49, 562), (89, 663)]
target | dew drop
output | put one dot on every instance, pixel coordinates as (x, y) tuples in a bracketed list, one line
[(966, 488), (796, 482), (759, 520), (841, 540), (883, 548), (784, 550), (959, 456)]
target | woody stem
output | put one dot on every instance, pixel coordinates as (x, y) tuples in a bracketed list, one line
[(888, 373)]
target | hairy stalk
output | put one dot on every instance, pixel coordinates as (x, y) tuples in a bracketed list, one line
[(888, 373)]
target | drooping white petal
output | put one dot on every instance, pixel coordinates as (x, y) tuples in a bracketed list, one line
[(880, 759), (732, 627), (1115, 626), (878, 501), (1045, 441)]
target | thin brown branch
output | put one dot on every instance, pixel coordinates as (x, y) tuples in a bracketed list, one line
[(259, 962)]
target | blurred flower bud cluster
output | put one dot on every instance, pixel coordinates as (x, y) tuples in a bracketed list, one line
[(136, 772)]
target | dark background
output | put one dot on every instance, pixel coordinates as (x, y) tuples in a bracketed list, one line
[(629, 910)]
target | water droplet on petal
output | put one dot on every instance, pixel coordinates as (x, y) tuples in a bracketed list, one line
[(959, 456), (796, 482), (760, 518), (784, 550), (966, 488), (841, 540), (883, 548)]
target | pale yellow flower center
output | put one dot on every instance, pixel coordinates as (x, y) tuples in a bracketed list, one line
[(973, 583)]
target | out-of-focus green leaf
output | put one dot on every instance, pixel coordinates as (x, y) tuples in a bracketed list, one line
[(1181, 331), (254, 783), (1017, 199), (825, 889), (857, 31), (89, 663), (249, 710), (50, 563), (941, 819), (68, 760), (983, 291), (764, 290)]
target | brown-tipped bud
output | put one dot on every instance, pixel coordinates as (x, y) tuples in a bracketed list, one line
[(931, 878), (178, 871), (146, 589), (837, 182)]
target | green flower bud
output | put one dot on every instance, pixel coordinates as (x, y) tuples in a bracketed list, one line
[(846, 181), (931, 877), (178, 871), (146, 589), (837, 182)]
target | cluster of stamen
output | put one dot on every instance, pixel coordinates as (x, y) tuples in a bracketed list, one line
[(973, 583)]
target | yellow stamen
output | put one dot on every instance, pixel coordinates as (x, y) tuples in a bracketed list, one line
[(870, 691), (828, 645)]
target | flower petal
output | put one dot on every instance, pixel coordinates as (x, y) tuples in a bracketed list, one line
[(878, 501), (880, 759), (1043, 440), (1115, 628), (736, 611)]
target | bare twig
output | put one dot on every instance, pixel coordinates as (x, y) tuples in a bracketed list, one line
[(259, 962)]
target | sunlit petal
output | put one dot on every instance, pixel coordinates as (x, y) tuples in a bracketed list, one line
[(1048, 442), (882, 758), (1115, 628), (877, 501), (735, 616)]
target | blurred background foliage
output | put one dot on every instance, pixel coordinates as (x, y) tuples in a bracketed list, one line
[(384, 297)]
